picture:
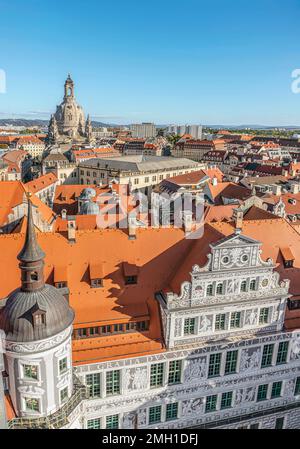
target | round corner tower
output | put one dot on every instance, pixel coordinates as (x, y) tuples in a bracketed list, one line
[(37, 321)]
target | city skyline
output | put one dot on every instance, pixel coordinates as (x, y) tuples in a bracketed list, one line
[(210, 64)]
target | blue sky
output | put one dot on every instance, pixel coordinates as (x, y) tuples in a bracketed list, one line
[(212, 62)]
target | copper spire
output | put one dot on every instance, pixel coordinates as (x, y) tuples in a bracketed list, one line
[(31, 251)]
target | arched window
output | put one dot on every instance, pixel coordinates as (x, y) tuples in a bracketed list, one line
[(243, 286), (209, 290), (253, 284), (220, 289), (34, 276)]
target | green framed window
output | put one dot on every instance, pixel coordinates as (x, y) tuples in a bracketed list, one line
[(32, 404), (211, 403), (264, 315), (155, 414), (226, 400), (94, 423), (112, 383), (157, 375), (282, 353), (297, 386), (175, 368), (231, 362), (64, 393), (267, 356), (93, 383), (276, 390), (30, 371), (112, 422), (262, 392), (189, 326), (279, 423), (220, 322), (63, 365), (235, 320), (172, 411), (214, 365)]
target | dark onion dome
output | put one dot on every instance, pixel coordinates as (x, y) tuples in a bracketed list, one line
[(36, 310), (19, 320)]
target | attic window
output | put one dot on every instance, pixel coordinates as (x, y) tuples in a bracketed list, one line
[(130, 273), (60, 276), (288, 257), (96, 274)]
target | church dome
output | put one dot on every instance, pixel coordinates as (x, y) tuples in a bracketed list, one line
[(18, 317), (87, 194), (89, 208)]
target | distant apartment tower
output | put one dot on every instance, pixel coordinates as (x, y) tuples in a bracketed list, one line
[(194, 130), (143, 130)]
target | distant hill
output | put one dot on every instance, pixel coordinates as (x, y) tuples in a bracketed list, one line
[(29, 123)]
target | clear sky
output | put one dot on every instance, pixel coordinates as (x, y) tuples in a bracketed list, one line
[(197, 61)]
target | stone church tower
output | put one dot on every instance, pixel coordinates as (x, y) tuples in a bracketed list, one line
[(37, 321), (68, 123)]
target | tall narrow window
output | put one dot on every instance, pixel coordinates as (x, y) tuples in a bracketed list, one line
[(262, 392), (231, 362), (267, 356), (297, 387), (211, 403), (220, 289), (226, 400), (279, 423), (276, 390), (235, 320), (112, 382), (253, 284), (157, 375), (93, 383), (174, 372), (243, 286), (264, 315), (189, 326), (209, 290), (282, 352), (214, 365), (172, 411), (220, 322)]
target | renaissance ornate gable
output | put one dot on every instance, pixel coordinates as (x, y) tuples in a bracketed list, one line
[(236, 291)]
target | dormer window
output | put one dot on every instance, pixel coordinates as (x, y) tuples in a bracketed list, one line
[(96, 274), (60, 276), (129, 280), (288, 257), (130, 273), (96, 283), (39, 318)]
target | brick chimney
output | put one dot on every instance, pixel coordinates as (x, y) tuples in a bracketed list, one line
[(238, 216)]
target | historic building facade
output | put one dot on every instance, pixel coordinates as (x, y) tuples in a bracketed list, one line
[(228, 361)]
